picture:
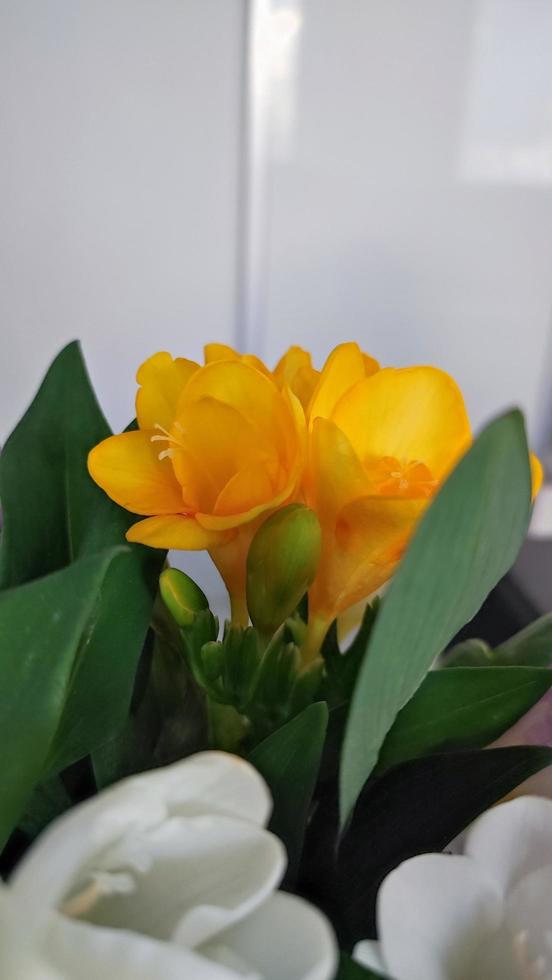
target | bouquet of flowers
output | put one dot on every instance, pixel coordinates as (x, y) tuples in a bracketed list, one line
[(306, 791)]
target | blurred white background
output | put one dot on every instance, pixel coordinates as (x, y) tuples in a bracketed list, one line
[(268, 172)]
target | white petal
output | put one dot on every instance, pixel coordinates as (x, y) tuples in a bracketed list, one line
[(529, 911), (512, 839), (495, 959), (210, 782), (20, 957), (285, 938), (432, 913), (85, 952), (200, 875), (368, 953)]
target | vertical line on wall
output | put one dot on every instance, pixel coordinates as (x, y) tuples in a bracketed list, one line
[(252, 242)]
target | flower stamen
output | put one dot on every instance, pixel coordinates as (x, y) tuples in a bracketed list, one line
[(167, 437), (528, 969), (102, 883)]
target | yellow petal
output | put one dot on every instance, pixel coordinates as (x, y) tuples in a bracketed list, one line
[(127, 467), (292, 361), (220, 522), (219, 352), (369, 538), (335, 475), (370, 365), (247, 391), (216, 442), (222, 352), (162, 381), (175, 531), (344, 367), (536, 474), (295, 371), (256, 363), (411, 414), (248, 488)]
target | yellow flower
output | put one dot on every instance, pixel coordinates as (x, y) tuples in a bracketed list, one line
[(345, 367), (294, 370), (379, 449), (218, 446)]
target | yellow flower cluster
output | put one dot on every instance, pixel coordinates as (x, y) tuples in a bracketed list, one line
[(222, 445)]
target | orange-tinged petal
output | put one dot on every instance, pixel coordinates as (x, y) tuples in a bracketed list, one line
[(175, 531), (220, 522), (295, 371), (335, 475), (370, 365), (292, 361), (241, 387), (256, 363), (222, 352), (219, 352), (536, 474), (369, 539), (216, 442), (298, 439), (162, 381), (344, 367), (248, 488), (127, 467), (412, 414)]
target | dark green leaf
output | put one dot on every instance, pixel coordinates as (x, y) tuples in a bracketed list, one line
[(468, 653), (458, 554), (167, 720), (462, 708), (349, 970), (102, 687), (289, 760), (419, 806), (342, 668), (42, 625), (54, 514), (531, 647), (47, 801)]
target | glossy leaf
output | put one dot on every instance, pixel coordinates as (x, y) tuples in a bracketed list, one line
[(419, 806), (42, 627), (458, 554), (462, 708), (54, 514), (289, 760)]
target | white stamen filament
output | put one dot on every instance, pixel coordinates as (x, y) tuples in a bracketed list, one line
[(102, 883), (528, 969), (167, 437), (82, 902)]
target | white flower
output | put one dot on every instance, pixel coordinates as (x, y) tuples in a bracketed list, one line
[(485, 914), (166, 876)]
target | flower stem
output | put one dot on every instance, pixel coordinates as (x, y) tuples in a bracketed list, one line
[(238, 609), (317, 627)]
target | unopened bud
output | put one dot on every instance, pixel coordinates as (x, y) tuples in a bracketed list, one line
[(212, 660), (281, 565), (182, 597)]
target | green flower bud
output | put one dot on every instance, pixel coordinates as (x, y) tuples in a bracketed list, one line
[(182, 597), (212, 661), (281, 564)]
